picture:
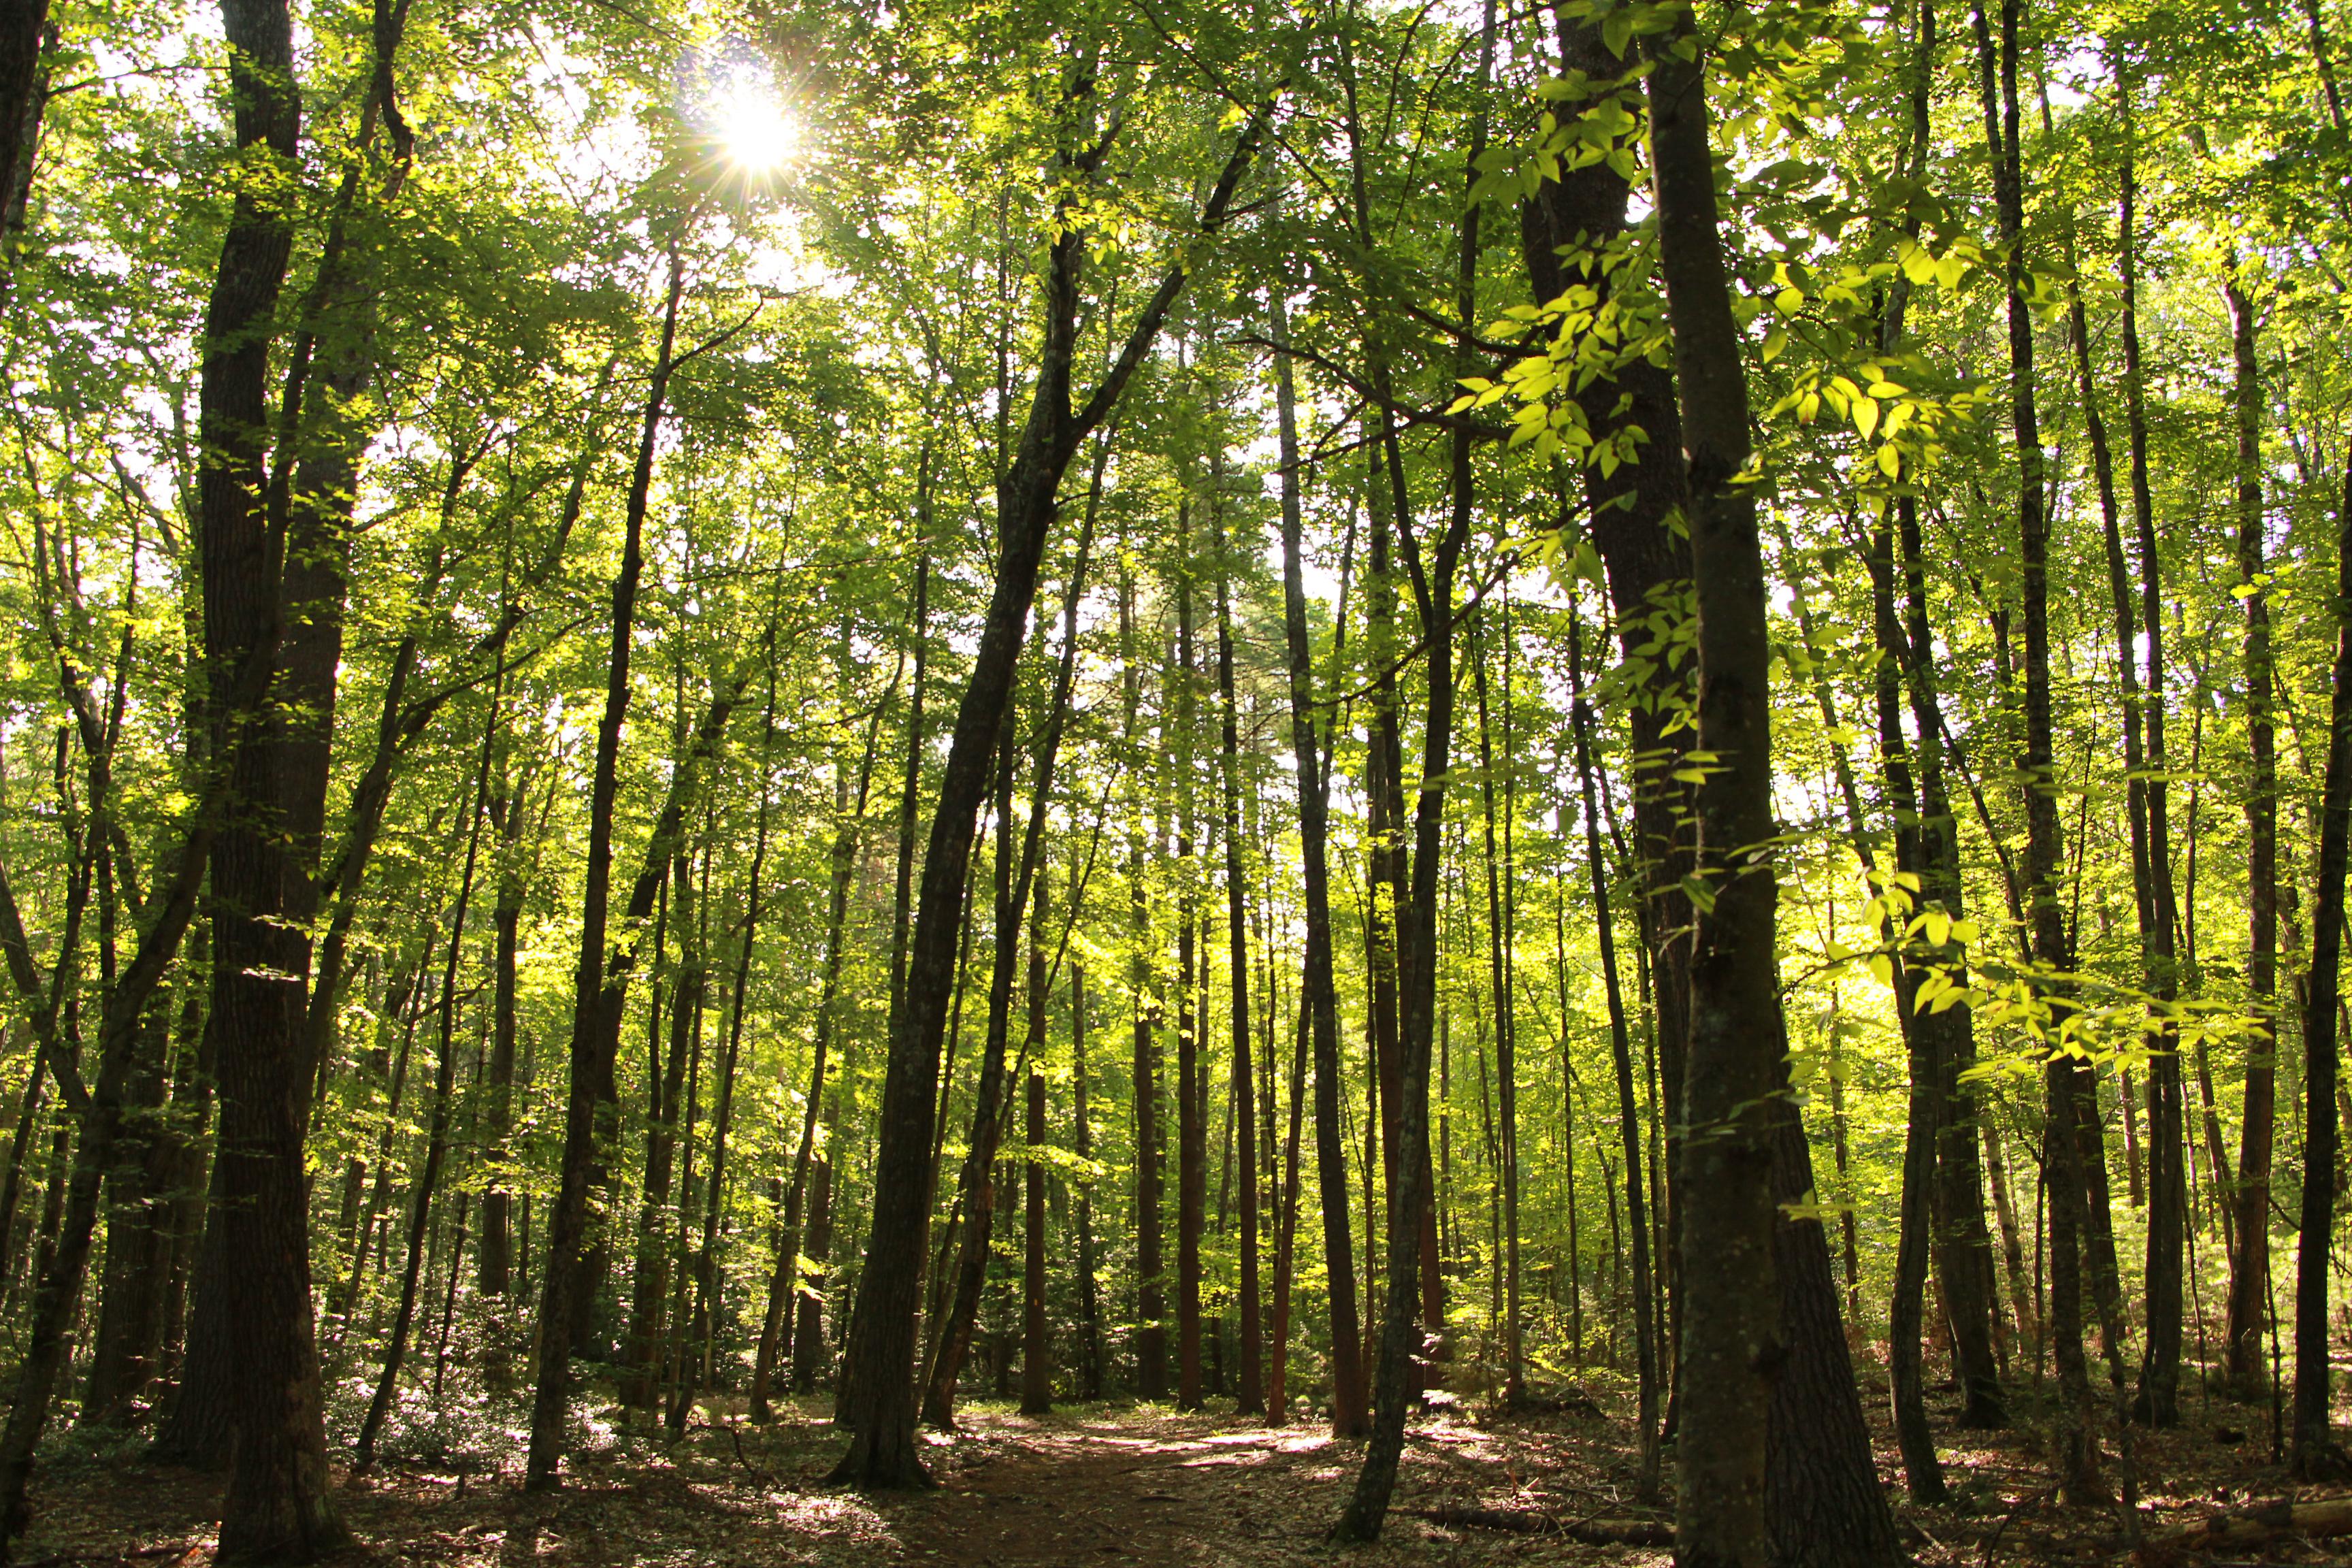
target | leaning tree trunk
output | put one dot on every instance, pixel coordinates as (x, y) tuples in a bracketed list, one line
[(2167, 1099), (880, 1405)]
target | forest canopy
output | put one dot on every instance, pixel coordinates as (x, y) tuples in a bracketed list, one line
[(792, 717)]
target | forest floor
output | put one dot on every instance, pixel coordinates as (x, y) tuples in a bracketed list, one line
[(1096, 1484)]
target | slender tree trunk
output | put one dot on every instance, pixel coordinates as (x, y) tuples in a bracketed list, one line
[(2168, 1107), (706, 1261), (1506, 1068), (1192, 1130), (2070, 1230), (1320, 1002), (427, 1178), (1249, 1397), (2250, 1258), (786, 1282), (1036, 1370), (1150, 1334), (1412, 1259), (591, 1059), (1645, 1318), (1081, 1143), (641, 1351), (1014, 888)]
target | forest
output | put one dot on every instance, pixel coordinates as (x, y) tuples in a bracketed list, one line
[(1059, 781)]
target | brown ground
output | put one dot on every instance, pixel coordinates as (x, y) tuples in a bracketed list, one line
[(1091, 1485)]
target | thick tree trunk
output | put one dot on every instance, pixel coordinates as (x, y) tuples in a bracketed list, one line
[(1729, 1278), (1827, 1507), (1646, 560), (25, 31), (278, 1504), (2316, 1455), (138, 1238)]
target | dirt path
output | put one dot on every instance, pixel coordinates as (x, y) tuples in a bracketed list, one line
[(1097, 1491)]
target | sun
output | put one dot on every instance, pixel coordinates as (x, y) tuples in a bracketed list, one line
[(756, 133), (742, 119)]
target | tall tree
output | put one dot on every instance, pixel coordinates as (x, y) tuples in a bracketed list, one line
[(881, 1406)]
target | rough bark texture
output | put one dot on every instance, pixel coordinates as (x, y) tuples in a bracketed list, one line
[(1826, 1506), (1730, 1338), (2317, 1456)]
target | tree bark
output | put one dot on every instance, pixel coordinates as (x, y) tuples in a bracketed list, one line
[(880, 1409), (595, 1013), (1730, 1340), (1320, 1002), (1036, 1368), (1412, 1259), (2250, 1257), (1645, 1316), (2317, 1456), (427, 1178), (1249, 1396)]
